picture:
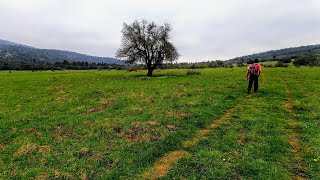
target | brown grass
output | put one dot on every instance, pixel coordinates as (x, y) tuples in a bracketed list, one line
[(150, 100), (27, 149), (144, 132), (108, 101), (31, 148), (163, 165), (94, 110), (84, 176), (241, 137), (45, 149), (62, 132), (62, 175), (2, 146), (139, 132), (136, 109), (200, 134), (42, 176), (178, 114), (60, 99), (171, 127), (29, 130)]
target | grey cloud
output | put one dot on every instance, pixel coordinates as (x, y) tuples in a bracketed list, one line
[(202, 30)]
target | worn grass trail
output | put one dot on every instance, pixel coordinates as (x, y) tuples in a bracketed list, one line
[(163, 165), (299, 166), (260, 141), (304, 106)]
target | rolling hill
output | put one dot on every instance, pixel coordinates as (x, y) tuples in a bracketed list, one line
[(281, 53), (11, 52)]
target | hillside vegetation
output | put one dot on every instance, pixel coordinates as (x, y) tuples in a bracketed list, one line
[(15, 56), (302, 52)]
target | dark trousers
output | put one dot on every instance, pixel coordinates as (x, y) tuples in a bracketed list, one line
[(253, 80)]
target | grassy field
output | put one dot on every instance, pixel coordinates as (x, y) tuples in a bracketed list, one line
[(123, 125)]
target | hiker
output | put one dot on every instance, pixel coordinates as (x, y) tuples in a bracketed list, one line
[(253, 72)]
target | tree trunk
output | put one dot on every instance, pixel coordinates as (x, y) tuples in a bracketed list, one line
[(150, 70)]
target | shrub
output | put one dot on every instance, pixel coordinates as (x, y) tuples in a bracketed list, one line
[(192, 72), (270, 65), (281, 64)]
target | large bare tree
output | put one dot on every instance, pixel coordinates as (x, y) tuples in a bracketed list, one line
[(148, 43)]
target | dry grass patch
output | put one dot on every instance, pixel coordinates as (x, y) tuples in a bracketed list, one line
[(94, 110), (62, 132), (108, 101), (32, 148), (88, 123), (42, 176), (162, 166), (62, 92), (45, 149), (241, 138), (177, 114), (29, 130), (136, 109), (62, 175), (80, 107), (27, 149), (150, 100), (145, 131), (201, 134), (59, 99)]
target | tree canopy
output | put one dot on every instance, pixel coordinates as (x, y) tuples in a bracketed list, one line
[(148, 43)]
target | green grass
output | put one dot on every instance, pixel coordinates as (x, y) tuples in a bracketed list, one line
[(117, 124)]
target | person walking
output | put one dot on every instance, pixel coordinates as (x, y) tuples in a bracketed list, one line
[(253, 73)]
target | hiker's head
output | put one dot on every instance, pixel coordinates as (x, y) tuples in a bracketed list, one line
[(256, 61)]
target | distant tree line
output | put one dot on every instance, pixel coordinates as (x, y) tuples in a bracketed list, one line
[(309, 58), (305, 59), (75, 65), (198, 65), (80, 65)]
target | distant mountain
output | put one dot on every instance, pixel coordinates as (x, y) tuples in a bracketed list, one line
[(9, 43), (276, 54), (14, 52)]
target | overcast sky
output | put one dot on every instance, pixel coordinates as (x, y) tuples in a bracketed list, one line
[(202, 29)]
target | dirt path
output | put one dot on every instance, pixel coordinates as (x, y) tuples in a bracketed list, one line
[(299, 165), (164, 164)]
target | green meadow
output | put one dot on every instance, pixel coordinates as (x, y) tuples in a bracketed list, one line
[(124, 125)]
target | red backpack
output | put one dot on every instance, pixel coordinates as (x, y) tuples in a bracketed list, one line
[(253, 70)]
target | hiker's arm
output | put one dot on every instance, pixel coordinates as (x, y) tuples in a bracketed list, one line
[(260, 69), (247, 74)]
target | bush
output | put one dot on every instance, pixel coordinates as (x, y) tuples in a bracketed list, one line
[(270, 65), (132, 69), (192, 72), (281, 64), (306, 60), (241, 63)]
